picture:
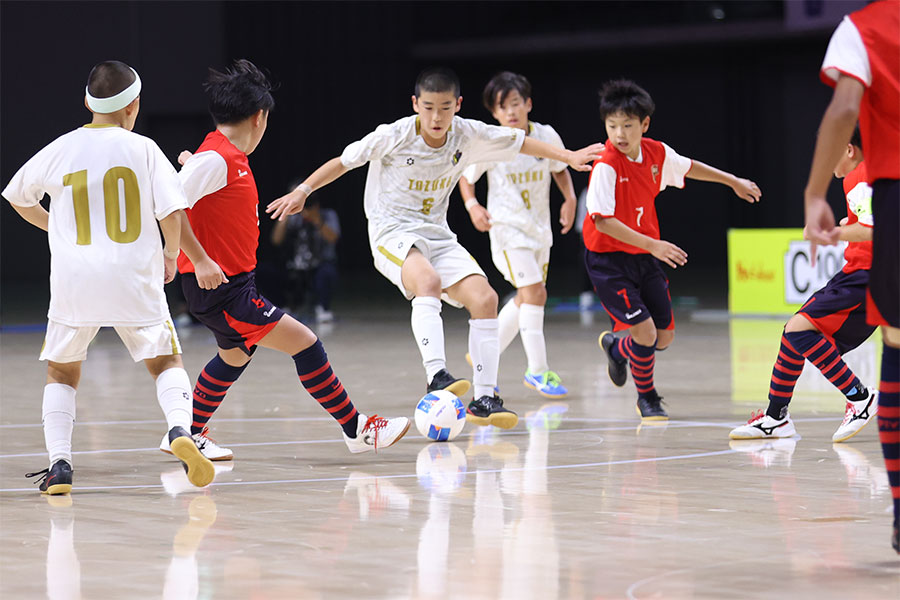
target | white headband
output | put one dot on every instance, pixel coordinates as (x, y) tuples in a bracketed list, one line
[(104, 106)]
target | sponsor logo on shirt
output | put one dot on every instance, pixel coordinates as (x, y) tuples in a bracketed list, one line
[(242, 173), (456, 157), (623, 179), (634, 314)]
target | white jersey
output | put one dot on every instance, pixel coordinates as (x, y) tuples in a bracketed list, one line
[(409, 183), (519, 194), (107, 188)]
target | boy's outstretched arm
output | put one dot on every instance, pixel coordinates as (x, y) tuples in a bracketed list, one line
[(480, 216), (743, 188), (834, 134), (293, 202), (563, 181), (37, 215), (580, 160), (665, 251)]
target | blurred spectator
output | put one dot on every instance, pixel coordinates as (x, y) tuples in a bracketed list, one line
[(309, 240)]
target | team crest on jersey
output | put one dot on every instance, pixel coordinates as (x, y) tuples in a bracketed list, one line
[(456, 157), (654, 170)]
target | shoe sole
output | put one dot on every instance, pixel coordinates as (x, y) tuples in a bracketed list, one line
[(365, 448), (847, 437), (199, 469), (502, 420), (609, 359), (399, 437), (217, 459), (543, 393), (651, 418), (458, 388), (57, 489)]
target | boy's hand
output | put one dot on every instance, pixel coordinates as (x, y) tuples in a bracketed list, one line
[(581, 160), (567, 215), (171, 268), (747, 190), (669, 253), (209, 274), (183, 157), (289, 204), (820, 228), (481, 218)]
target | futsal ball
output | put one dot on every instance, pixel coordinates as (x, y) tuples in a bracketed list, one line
[(440, 416)]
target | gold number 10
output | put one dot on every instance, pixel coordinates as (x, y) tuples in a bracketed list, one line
[(78, 181)]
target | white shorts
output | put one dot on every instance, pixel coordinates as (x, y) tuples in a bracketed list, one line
[(64, 344), (522, 266), (451, 261)]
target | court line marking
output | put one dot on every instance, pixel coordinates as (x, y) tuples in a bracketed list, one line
[(409, 475), (672, 424)]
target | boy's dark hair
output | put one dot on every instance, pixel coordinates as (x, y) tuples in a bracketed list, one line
[(109, 78), (856, 138), (238, 93), (624, 95), (501, 85), (437, 79)]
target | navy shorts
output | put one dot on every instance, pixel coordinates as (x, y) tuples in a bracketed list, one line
[(631, 287), (839, 310), (884, 276), (235, 312)]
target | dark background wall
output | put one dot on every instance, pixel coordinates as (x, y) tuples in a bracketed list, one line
[(735, 85)]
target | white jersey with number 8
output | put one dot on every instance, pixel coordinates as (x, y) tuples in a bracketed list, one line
[(107, 187)]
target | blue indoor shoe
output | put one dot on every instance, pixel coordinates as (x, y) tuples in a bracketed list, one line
[(547, 384)]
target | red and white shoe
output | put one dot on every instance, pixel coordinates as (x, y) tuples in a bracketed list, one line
[(376, 432), (762, 426), (856, 416)]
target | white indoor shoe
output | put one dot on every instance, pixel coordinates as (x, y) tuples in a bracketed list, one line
[(856, 416), (762, 426), (206, 444), (376, 432)]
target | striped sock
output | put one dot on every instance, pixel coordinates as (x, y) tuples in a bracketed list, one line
[(323, 385), (785, 373), (641, 359), (210, 389), (822, 353), (889, 420)]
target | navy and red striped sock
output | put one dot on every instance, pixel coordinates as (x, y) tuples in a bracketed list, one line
[(785, 373), (822, 353), (641, 359), (322, 384), (889, 420), (210, 389)]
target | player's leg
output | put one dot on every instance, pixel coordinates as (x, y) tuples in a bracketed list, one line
[(173, 392), (64, 350), (478, 297), (884, 309), (361, 433), (421, 282), (528, 269)]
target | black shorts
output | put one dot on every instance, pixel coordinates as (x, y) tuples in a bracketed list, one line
[(235, 312), (839, 310), (884, 276), (631, 287)]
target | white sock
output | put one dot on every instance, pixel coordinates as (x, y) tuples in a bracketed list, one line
[(484, 348), (428, 329), (531, 326), (58, 415), (509, 324), (173, 390)]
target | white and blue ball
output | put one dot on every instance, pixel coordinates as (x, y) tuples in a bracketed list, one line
[(440, 416)]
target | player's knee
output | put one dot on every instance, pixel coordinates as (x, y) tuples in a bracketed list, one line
[(428, 284), (664, 339), (483, 304), (797, 323), (534, 294), (644, 336)]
